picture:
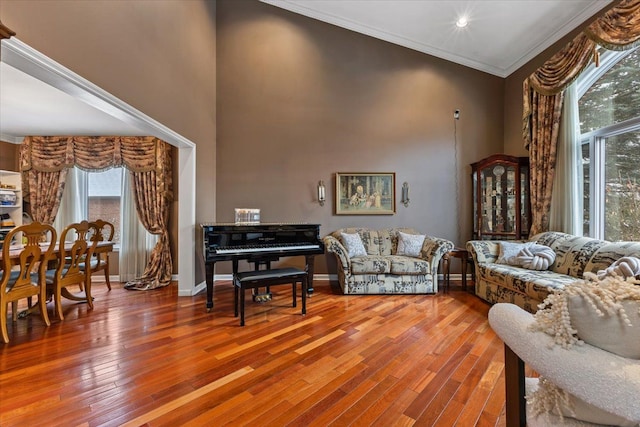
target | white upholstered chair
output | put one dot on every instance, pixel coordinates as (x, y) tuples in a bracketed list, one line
[(602, 379)]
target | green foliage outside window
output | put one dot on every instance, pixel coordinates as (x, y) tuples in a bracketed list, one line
[(613, 99)]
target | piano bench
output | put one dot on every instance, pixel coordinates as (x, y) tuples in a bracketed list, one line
[(263, 278)]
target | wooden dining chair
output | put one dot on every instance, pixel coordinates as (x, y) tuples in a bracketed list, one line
[(101, 231), (75, 247), (23, 276)]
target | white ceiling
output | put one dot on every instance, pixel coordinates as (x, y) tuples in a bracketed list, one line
[(501, 36), (29, 106)]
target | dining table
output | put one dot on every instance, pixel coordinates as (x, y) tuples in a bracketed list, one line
[(15, 249)]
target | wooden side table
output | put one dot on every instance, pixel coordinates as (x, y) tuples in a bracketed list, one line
[(461, 254)]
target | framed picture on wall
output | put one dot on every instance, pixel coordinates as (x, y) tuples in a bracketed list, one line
[(365, 193)]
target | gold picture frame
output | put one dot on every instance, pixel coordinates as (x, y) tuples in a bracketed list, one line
[(365, 193)]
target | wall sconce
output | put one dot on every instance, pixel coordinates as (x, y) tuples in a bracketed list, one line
[(321, 193), (405, 194)]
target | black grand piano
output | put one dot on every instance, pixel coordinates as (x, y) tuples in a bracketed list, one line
[(259, 244)]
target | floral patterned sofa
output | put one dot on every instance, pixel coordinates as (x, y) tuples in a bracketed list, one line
[(527, 288), (381, 270)]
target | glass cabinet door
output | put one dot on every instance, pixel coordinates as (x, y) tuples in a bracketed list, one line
[(500, 206)]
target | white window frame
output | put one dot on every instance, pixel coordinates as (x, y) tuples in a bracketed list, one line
[(596, 140)]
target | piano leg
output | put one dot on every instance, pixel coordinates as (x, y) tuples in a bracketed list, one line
[(309, 259), (209, 279)]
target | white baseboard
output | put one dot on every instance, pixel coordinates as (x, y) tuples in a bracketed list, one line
[(227, 277)]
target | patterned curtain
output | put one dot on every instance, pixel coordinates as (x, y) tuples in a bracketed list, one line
[(152, 190), (44, 161), (543, 97)]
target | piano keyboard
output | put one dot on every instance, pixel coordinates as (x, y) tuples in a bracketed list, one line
[(266, 248)]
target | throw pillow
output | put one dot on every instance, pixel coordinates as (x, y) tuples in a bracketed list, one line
[(410, 244), (607, 329), (536, 257), (603, 313), (509, 252), (354, 245), (545, 397), (625, 267)]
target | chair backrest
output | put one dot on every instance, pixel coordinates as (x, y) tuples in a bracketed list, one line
[(76, 246), (102, 230), (40, 240)]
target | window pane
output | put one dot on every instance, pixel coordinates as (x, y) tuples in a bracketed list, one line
[(105, 191), (614, 98), (622, 191)]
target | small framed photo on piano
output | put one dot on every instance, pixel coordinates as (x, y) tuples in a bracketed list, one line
[(365, 193)]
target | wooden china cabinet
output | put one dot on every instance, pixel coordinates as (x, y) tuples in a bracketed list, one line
[(501, 206)]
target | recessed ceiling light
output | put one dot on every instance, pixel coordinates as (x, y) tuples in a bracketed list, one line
[(462, 22)]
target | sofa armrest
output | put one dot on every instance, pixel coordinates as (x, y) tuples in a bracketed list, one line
[(433, 249), (483, 251), (334, 246)]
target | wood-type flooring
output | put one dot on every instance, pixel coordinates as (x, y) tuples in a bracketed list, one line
[(151, 358)]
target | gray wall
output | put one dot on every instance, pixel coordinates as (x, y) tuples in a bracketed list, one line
[(299, 100), (158, 56)]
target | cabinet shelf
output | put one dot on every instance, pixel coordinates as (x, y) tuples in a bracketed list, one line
[(501, 207), (14, 210)]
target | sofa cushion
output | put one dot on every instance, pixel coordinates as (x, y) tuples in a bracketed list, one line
[(410, 244), (389, 239), (370, 264), (544, 398), (535, 284), (572, 253), (408, 265)]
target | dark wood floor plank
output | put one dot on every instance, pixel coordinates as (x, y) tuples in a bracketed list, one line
[(156, 359)]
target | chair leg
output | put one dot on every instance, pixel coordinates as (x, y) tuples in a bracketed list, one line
[(242, 306), (87, 291), (236, 290), (294, 293), (3, 322), (305, 288), (106, 276), (57, 297), (14, 310), (42, 303)]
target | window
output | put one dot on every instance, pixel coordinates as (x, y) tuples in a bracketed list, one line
[(609, 111), (104, 197), (91, 196)]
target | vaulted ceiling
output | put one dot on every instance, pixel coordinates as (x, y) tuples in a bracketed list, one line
[(501, 36)]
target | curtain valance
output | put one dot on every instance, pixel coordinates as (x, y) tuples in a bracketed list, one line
[(619, 28), (564, 67), (91, 153)]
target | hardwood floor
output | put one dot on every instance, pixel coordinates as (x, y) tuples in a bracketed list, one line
[(153, 358)]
